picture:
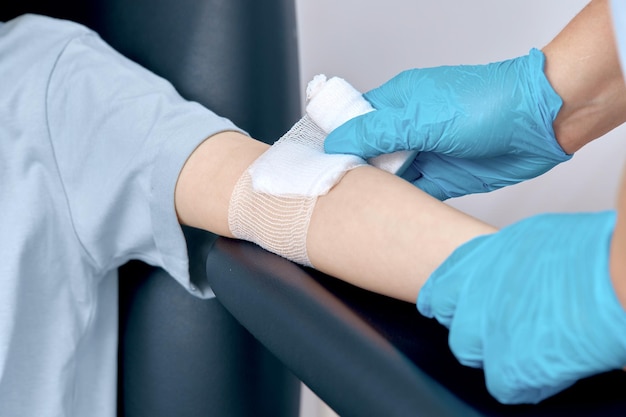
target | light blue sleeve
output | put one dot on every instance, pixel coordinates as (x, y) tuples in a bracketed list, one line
[(121, 135), (618, 11)]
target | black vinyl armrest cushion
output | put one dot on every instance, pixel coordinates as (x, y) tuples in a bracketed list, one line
[(325, 344), (366, 354)]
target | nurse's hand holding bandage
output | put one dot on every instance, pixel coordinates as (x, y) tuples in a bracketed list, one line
[(477, 128), (532, 304), (541, 303)]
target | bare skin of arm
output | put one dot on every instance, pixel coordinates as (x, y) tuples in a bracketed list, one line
[(583, 67), (372, 229)]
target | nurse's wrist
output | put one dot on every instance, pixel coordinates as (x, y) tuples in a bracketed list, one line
[(582, 66)]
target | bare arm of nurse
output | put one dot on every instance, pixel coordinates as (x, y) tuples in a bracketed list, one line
[(583, 68)]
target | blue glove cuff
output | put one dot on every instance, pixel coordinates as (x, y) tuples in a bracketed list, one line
[(548, 101)]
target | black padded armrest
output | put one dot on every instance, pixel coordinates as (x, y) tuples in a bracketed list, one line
[(369, 355)]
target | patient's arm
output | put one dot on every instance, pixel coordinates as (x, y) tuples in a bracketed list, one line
[(372, 229)]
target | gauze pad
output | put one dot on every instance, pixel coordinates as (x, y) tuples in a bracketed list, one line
[(337, 93), (296, 164), (273, 201)]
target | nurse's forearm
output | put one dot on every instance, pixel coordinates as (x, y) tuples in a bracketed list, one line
[(582, 65), (372, 229)]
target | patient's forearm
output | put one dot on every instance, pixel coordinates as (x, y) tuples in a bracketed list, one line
[(379, 232), (206, 182), (372, 229)]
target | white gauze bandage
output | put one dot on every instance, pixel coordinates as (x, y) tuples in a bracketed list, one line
[(273, 201)]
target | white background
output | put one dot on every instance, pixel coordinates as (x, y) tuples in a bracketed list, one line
[(368, 41)]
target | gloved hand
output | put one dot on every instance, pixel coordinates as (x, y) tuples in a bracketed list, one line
[(532, 304), (478, 128)]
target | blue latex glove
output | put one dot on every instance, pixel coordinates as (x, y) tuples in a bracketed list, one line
[(532, 304), (478, 128)]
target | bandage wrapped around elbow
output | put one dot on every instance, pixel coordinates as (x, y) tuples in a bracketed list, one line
[(273, 201)]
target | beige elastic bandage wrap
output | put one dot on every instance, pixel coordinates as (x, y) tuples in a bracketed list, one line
[(273, 201), (276, 222)]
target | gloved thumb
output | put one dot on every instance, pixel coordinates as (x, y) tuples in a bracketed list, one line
[(431, 188), (372, 134), (413, 174)]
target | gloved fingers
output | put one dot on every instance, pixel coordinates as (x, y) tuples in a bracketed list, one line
[(466, 337), (431, 188), (439, 296), (444, 176), (467, 329), (456, 176), (507, 386), (414, 175), (394, 93), (376, 132), (424, 300), (514, 394), (372, 134), (523, 361)]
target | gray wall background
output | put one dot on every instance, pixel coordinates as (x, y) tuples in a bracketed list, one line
[(368, 41)]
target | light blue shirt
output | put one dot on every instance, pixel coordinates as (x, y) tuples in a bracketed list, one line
[(91, 146)]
